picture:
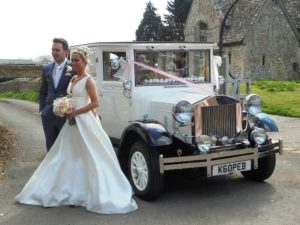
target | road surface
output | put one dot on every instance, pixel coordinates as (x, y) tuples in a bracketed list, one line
[(186, 200)]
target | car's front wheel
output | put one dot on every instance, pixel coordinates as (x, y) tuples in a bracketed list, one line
[(144, 174), (266, 166)]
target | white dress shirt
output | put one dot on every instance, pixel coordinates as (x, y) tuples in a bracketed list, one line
[(57, 71)]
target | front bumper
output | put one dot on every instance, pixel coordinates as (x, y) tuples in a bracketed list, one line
[(211, 159)]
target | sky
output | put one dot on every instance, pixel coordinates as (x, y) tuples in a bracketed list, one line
[(27, 27)]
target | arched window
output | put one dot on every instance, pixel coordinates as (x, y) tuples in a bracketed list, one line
[(203, 33)]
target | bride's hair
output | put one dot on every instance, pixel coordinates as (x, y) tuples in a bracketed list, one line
[(84, 52)]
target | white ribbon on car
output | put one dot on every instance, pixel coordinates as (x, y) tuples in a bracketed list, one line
[(217, 61), (123, 72)]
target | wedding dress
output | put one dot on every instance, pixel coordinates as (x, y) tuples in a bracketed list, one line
[(81, 168)]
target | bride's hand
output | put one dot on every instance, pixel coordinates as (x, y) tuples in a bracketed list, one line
[(94, 111), (70, 115)]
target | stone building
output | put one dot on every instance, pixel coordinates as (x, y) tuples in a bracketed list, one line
[(261, 37)]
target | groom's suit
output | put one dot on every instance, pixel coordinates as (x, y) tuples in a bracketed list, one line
[(51, 123)]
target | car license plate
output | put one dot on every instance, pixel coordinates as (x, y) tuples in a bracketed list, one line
[(231, 167)]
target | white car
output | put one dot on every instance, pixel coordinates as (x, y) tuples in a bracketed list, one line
[(160, 107)]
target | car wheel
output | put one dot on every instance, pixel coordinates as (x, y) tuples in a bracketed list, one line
[(144, 175), (266, 166)]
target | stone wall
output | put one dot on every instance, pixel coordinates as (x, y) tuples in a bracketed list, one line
[(269, 50), (236, 54), (20, 71), (272, 49), (205, 11), (20, 84)]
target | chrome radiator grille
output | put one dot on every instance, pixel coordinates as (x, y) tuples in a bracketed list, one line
[(219, 120)]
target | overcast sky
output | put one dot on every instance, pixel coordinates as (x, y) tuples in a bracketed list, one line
[(27, 27)]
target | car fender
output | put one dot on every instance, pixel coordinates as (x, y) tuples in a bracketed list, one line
[(151, 132), (266, 121)]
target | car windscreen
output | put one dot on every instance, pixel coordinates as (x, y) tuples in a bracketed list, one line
[(192, 65)]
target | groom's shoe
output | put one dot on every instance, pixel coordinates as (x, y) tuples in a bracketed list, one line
[(74, 206)]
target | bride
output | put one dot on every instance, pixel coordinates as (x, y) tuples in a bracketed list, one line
[(81, 168)]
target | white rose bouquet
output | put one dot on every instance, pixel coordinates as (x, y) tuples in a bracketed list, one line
[(63, 106)]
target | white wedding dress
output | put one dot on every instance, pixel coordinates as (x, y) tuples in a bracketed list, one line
[(81, 168)]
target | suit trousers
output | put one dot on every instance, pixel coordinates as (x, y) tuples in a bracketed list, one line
[(52, 129)]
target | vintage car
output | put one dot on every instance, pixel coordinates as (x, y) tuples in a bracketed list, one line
[(161, 108)]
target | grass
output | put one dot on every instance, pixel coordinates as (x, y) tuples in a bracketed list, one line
[(279, 97), (29, 95)]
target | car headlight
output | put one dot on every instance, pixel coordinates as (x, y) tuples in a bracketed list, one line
[(259, 136), (183, 112), (253, 104), (204, 143)]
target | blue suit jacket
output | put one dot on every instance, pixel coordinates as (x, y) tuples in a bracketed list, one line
[(48, 92)]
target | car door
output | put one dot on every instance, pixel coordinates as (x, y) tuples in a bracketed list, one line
[(115, 105)]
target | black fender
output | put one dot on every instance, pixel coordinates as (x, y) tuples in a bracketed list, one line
[(152, 133), (266, 121)]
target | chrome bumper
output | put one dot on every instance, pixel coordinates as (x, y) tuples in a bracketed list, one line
[(211, 159)]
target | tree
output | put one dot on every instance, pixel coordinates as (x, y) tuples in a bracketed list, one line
[(43, 59), (151, 25), (174, 22)]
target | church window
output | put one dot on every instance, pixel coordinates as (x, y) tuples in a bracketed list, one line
[(203, 32)]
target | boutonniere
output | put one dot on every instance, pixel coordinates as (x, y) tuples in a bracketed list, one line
[(68, 70)]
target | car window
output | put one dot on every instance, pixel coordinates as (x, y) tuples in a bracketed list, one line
[(190, 65), (111, 64)]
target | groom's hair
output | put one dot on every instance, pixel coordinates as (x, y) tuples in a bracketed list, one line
[(62, 41)]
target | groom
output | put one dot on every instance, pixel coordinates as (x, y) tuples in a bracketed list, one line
[(55, 79)]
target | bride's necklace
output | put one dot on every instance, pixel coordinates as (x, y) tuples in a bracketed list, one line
[(78, 78)]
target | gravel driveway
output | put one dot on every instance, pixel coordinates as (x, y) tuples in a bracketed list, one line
[(218, 200)]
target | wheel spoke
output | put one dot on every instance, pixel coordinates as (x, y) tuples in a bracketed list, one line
[(139, 171)]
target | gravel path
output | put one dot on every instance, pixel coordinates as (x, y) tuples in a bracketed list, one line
[(29, 146)]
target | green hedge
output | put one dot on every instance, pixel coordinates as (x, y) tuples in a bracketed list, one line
[(29, 95)]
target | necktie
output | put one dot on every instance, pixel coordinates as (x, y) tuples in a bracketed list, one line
[(57, 75)]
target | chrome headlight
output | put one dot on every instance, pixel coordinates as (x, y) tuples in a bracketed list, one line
[(204, 143), (259, 136), (253, 104), (183, 112)]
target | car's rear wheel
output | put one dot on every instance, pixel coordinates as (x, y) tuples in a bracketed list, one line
[(266, 166), (144, 174)]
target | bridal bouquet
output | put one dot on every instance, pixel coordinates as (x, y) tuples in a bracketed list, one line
[(62, 106)]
